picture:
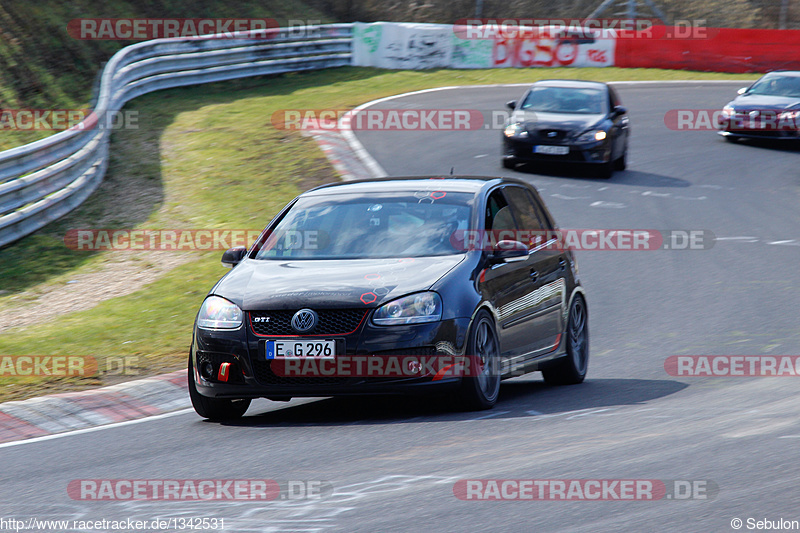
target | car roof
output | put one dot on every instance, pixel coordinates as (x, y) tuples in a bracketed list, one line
[(468, 184), (572, 84), (787, 73)]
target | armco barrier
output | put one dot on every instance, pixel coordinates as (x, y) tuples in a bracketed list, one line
[(44, 180), (713, 50)]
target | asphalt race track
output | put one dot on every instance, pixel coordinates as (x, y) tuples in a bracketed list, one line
[(393, 463)]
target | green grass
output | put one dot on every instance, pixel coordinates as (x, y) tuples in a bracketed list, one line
[(43, 67), (203, 157)]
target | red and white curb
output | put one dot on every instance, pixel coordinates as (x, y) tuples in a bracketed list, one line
[(340, 154), (60, 413)]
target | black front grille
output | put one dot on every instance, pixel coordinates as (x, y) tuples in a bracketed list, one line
[(331, 322), (266, 376), (551, 135)]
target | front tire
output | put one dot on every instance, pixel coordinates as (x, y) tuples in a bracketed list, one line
[(606, 170), (481, 391), (214, 408), (571, 370), (621, 162)]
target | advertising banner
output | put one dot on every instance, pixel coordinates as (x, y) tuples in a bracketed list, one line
[(422, 46)]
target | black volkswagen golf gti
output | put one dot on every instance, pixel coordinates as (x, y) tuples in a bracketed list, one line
[(458, 282)]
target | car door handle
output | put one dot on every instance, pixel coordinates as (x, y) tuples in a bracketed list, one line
[(534, 275), (562, 265)]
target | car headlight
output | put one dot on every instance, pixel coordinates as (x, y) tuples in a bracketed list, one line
[(515, 129), (219, 313), (592, 136), (789, 115), (413, 309), (728, 111)]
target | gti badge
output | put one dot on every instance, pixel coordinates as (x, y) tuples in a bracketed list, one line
[(551, 133), (304, 320), (261, 319)]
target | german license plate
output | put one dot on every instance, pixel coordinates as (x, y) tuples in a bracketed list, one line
[(318, 349), (551, 150)]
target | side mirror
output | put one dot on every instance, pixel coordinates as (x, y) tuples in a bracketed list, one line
[(742, 90), (233, 256), (618, 110), (507, 249), (511, 104)]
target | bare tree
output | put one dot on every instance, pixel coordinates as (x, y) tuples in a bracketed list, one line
[(716, 13)]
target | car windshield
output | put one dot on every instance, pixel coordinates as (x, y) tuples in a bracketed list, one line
[(777, 86), (565, 100), (350, 226)]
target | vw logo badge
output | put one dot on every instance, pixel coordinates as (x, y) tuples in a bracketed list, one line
[(754, 114), (304, 320)]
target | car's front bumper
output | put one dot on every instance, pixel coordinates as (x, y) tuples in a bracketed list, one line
[(766, 125), (523, 150), (253, 376), (788, 135)]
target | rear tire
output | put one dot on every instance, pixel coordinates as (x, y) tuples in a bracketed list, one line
[(481, 392), (571, 370), (215, 409)]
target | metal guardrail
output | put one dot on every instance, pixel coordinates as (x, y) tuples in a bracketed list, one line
[(44, 180)]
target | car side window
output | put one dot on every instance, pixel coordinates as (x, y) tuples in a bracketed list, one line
[(523, 209), (541, 214), (498, 213), (613, 96), (534, 223)]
